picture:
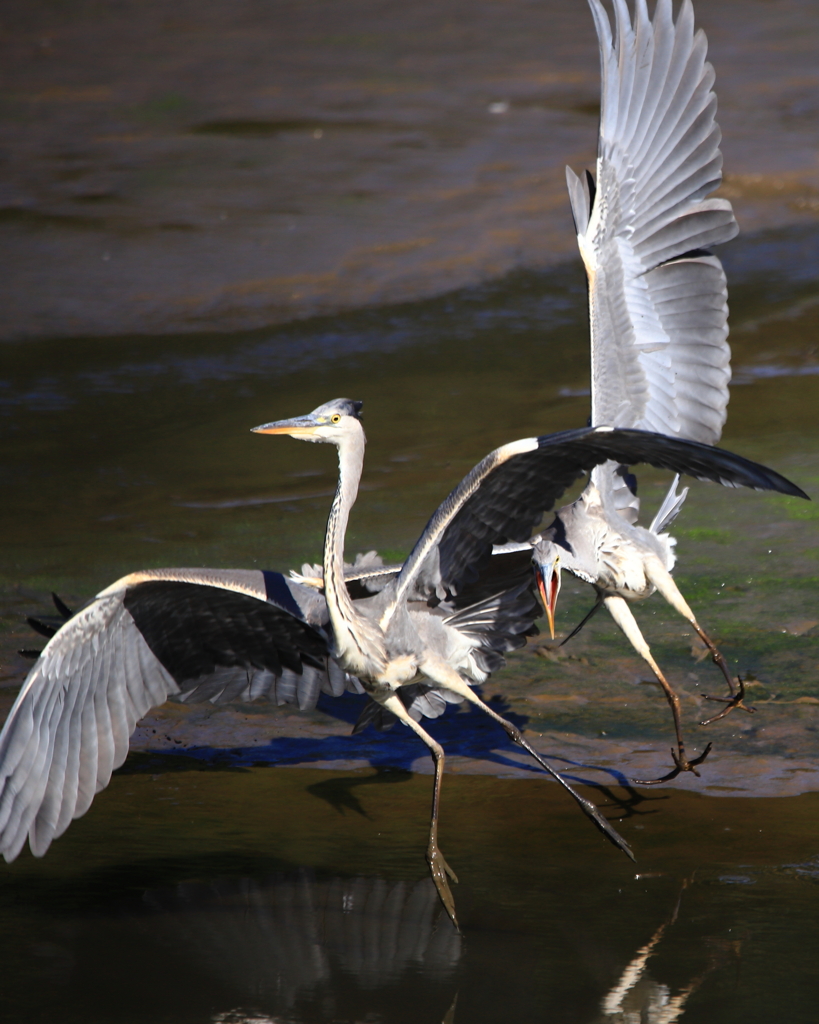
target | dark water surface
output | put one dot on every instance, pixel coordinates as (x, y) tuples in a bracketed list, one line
[(299, 895), (255, 894)]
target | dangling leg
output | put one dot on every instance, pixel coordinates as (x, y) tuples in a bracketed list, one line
[(598, 604), (621, 613), (437, 864), (664, 582), (440, 672)]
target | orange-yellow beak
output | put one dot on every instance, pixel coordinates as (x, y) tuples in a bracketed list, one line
[(548, 583), (300, 426)]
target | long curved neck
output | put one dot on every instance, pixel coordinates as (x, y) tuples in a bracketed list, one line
[(350, 465)]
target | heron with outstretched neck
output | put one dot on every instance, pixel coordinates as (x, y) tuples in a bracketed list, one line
[(445, 618)]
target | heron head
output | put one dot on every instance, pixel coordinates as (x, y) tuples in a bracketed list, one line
[(329, 423), (546, 559)]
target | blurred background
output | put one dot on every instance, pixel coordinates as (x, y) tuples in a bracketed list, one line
[(227, 165)]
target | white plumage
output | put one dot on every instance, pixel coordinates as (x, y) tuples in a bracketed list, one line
[(658, 310), (657, 306)]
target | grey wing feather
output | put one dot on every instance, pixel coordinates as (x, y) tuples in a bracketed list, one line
[(670, 507), (368, 570), (59, 744), (658, 304), (241, 685), (498, 624), (420, 699), (620, 486), (108, 665), (580, 199), (504, 497)]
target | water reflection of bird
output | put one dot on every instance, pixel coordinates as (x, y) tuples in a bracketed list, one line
[(636, 996), (657, 310), (296, 940), (448, 616)]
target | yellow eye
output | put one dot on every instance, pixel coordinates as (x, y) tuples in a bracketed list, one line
[(335, 419)]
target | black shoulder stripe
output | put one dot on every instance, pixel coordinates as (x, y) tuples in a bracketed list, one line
[(192, 629)]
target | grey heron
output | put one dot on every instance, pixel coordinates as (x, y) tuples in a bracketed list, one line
[(657, 309), (218, 634)]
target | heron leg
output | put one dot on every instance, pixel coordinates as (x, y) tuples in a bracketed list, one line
[(664, 582), (440, 672), (598, 604), (439, 869), (621, 613)]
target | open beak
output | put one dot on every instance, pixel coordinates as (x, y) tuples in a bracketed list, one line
[(548, 583), (304, 427)]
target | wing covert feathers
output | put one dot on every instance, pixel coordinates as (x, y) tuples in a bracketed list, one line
[(70, 725), (504, 497), (150, 637), (657, 300)]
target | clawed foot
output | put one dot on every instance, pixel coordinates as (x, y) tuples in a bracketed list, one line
[(439, 869), (588, 808), (681, 764), (736, 700)]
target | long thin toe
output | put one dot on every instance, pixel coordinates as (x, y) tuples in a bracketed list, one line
[(656, 782), (736, 700), (681, 764), (439, 869)]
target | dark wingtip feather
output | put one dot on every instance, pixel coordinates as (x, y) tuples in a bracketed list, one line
[(62, 607), (683, 456), (43, 628), (797, 492)]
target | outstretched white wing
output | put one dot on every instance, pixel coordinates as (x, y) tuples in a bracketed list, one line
[(658, 299), (199, 634)]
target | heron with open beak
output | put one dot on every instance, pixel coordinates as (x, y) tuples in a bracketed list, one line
[(442, 622), (658, 314)]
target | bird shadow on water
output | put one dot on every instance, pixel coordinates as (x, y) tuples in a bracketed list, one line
[(339, 792), (462, 732)]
